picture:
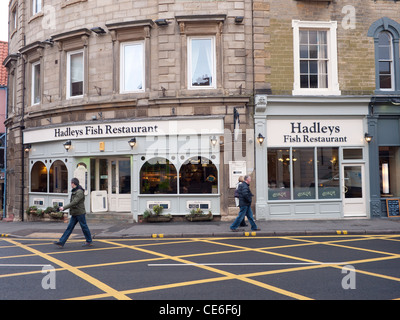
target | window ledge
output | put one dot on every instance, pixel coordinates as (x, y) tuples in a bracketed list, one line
[(316, 92), (71, 2)]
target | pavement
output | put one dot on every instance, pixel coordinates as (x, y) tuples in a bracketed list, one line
[(203, 229)]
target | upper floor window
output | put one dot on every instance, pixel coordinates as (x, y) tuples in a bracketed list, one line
[(13, 19), (75, 74), (36, 6), (201, 62), (132, 67), (386, 34), (385, 65), (315, 58)]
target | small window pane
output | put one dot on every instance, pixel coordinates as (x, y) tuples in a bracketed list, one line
[(158, 176), (39, 177), (278, 174), (76, 74), (352, 154), (124, 167), (328, 173), (36, 83), (58, 178), (198, 175)]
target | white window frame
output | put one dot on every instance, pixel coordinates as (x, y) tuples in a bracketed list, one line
[(213, 67), (33, 86), (69, 54), (36, 10), (122, 67), (333, 82)]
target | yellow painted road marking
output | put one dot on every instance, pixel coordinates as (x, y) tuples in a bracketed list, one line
[(225, 273), (102, 286)]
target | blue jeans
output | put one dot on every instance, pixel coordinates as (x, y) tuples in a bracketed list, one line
[(72, 223), (244, 211)]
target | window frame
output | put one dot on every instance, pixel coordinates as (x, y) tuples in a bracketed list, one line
[(69, 79), (286, 193), (332, 66), (393, 28), (36, 10), (213, 66), (391, 60), (122, 66), (33, 84)]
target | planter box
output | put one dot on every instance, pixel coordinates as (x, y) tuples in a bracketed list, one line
[(158, 219), (207, 217)]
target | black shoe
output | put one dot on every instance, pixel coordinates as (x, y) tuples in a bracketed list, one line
[(236, 230), (59, 244)]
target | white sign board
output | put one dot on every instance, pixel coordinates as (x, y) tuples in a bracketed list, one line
[(236, 169), (324, 132), (125, 129)]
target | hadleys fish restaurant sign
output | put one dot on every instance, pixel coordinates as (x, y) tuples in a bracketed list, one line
[(325, 132)]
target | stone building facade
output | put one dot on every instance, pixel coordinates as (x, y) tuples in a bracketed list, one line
[(175, 78)]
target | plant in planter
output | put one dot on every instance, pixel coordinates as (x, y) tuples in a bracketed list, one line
[(157, 216), (34, 211), (199, 215), (54, 213)]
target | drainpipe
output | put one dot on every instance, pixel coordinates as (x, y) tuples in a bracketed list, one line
[(22, 127), (5, 161)]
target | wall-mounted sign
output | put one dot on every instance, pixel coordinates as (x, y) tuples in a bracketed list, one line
[(125, 129), (236, 169), (323, 132)]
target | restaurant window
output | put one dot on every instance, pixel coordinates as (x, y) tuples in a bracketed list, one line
[(328, 173), (58, 178), (312, 173), (389, 164), (158, 176), (198, 175), (303, 173), (39, 177), (278, 174), (75, 72)]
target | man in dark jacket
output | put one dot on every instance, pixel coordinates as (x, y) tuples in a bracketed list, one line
[(78, 213), (245, 198)]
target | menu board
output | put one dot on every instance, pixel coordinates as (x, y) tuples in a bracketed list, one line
[(392, 206)]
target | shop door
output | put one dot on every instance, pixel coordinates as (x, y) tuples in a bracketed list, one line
[(354, 204), (113, 176)]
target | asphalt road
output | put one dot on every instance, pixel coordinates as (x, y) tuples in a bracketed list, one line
[(203, 270)]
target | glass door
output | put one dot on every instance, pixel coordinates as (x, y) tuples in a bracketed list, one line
[(354, 204), (113, 177)]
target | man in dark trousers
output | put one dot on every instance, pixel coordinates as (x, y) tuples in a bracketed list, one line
[(78, 213), (245, 198)]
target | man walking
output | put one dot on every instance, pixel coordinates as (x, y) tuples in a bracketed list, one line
[(78, 213), (245, 198)]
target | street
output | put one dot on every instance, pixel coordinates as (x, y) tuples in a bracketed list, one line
[(346, 267)]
